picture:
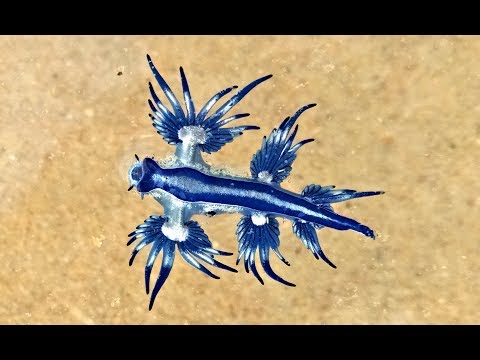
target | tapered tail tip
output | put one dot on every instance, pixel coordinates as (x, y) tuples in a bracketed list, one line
[(367, 231)]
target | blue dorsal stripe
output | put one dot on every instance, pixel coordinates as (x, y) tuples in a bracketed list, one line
[(192, 185)]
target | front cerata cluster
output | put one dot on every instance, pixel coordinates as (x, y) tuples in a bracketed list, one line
[(188, 186)]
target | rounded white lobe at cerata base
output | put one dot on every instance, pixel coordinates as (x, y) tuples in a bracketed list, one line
[(175, 232), (265, 176), (259, 219), (192, 135)]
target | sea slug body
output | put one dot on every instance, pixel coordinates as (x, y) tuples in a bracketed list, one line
[(191, 187)]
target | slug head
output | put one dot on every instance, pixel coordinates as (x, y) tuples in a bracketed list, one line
[(143, 175)]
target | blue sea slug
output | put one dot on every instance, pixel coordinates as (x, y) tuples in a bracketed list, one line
[(190, 187)]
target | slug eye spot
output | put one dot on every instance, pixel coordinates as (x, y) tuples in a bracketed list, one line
[(135, 173)]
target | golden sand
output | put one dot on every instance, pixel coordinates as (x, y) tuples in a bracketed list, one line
[(394, 113)]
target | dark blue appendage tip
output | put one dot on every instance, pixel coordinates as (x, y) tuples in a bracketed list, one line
[(365, 230)]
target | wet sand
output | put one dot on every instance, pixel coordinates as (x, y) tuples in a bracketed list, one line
[(399, 114)]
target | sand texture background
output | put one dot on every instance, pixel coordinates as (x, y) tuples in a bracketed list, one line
[(395, 113)]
